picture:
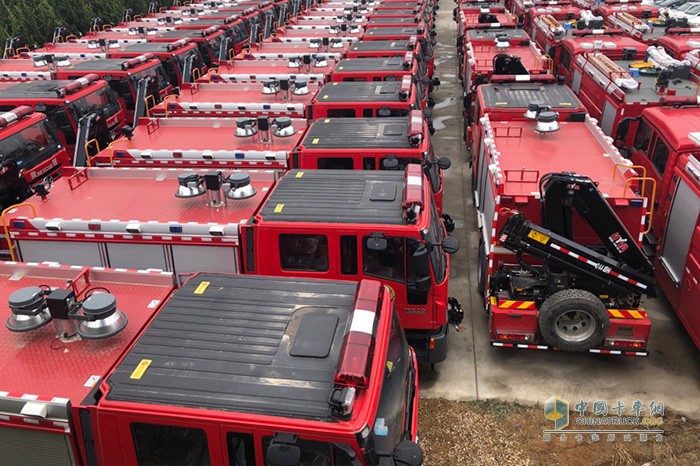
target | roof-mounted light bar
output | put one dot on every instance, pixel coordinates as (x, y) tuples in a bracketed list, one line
[(415, 127), (405, 89), (412, 199), (355, 359), (408, 61), (7, 118), (77, 85), (178, 44), (132, 62)]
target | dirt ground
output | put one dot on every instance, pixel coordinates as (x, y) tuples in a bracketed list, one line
[(494, 433)]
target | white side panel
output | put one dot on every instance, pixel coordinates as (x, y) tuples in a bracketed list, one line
[(205, 259), (136, 256), (576, 82), (63, 252), (607, 118)]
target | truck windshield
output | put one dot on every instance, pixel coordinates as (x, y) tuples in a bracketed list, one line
[(160, 83), (435, 235), (393, 419), (197, 60), (103, 98), (214, 48), (29, 147)]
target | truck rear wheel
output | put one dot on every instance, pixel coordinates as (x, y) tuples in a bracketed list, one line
[(573, 320)]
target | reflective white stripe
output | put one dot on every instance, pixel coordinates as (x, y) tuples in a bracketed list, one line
[(414, 180), (195, 154), (214, 106), (362, 321)]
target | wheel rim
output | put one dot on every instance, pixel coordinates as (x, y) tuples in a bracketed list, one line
[(575, 326)]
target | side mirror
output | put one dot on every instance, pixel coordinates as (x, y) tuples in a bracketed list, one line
[(450, 245), (280, 454), (377, 244), (444, 163), (390, 162), (408, 453)]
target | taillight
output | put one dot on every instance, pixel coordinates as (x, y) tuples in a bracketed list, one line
[(515, 336), (617, 343)]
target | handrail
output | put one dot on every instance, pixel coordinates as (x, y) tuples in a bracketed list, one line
[(10, 245), (165, 103), (146, 100), (111, 153), (650, 213), (87, 146), (641, 168)]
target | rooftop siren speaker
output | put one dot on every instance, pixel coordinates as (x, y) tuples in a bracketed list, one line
[(294, 62), (284, 127), (103, 319), (502, 42), (245, 127), (547, 122), (320, 61), (29, 309), (533, 108), (315, 43), (190, 185), (336, 43), (240, 187), (270, 86), (300, 87)]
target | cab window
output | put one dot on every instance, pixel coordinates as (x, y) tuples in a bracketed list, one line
[(335, 163), (659, 156), (157, 445), (304, 252), (387, 264), (241, 449), (315, 453), (341, 112), (641, 139), (565, 58)]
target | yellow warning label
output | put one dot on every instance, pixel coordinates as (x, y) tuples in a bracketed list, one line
[(278, 208), (390, 366), (501, 103), (537, 236), (315, 141), (201, 288), (327, 120), (299, 174), (141, 369), (325, 97), (565, 104)]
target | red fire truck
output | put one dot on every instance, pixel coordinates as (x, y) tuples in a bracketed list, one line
[(366, 99), (614, 89), (18, 69), (334, 224), (342, 32), (105, 323), (182, 59), (386, 69), (593, 5), (665, 141), (615, 47), (30, 152), (521, 8), (216, 143), (271, 98), (641, 29), (558, 12), (386, 143), (71, 107), (213, 43), (677, 45), (487, 37), (590, 205), (124, 77)]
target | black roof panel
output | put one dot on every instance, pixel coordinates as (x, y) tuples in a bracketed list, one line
[(146, 47), (228, 347), (518, 95), (376, 45), (391, 21), (101, 64), (33, 89), (180, 33), (351, 91), (343, 133), (393, 31), (370, 64), (482, 34), (337, 196)]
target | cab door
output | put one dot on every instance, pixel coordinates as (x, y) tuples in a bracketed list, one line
[(690, 290)]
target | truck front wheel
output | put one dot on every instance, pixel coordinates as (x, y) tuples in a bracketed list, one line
[(573, 320)]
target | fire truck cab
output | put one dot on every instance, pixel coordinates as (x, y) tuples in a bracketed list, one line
[(182, 59), (385, 143), (366, 99), (124, 76), (333, 224), (218, 143), (677, 45), (213, 43), (336, 337), (259, 71), (665, 142), (67, 103), (30, 151), (616, 89), (635, 21)]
